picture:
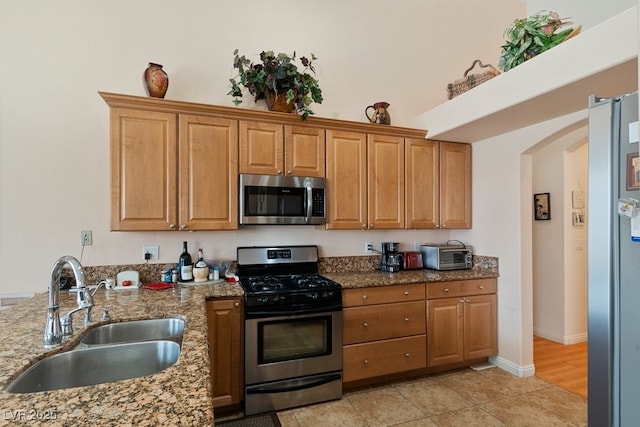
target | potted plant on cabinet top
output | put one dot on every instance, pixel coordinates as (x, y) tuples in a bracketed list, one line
[(528, 37), (277, 79)]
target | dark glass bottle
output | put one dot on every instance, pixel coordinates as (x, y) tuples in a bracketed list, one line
[(185, 265)]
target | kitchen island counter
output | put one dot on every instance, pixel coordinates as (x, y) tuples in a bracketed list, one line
[(179, 395)]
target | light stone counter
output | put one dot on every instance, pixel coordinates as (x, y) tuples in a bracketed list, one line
[(179, 395)]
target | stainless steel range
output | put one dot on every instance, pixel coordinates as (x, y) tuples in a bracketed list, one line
[(293, 329)]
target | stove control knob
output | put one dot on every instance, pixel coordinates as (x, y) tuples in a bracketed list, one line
[(312, 295), (264, 300)]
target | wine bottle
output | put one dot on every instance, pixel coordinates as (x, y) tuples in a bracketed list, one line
[(185, 265)]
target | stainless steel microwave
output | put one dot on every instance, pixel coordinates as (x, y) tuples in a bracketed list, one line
[(274, 199)]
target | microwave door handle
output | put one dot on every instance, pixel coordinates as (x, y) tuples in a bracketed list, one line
[(309, 205)]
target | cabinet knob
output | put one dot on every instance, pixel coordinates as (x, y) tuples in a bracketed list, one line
[(236, 305), (370, 225), (172, 226), (407, 355), (364, 226), (365, 324), (279, 172), (480, 287), (467, 300), (443, 226), (407, 292), (406, 320), (365, 296), (183, 226), (462, 300), (288, 172), (446, 289), (437, 225), (366, 362)]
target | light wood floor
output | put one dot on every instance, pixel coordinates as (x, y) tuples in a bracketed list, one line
[(562, 365)]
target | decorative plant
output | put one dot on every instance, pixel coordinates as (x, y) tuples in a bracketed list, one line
[(528, 37), (280, 74)]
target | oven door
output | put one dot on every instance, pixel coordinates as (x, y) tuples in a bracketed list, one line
[(291, 346)]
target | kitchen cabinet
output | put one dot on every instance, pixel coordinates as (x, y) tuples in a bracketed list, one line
[(383, 331), (461, 321), (438, 184), (172, 171), (365, 181), (224, 319), (274, 149)]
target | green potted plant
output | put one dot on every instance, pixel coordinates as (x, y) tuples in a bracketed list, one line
[(528, 37), (277, 79)]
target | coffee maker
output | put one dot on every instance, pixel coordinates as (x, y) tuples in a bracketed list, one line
[(390, 257)]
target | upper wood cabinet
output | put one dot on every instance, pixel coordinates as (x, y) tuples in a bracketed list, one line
[(172, 172), (455, 185), (438, 176), (208, 185), (143, 170), (274, 149), (365, 175)]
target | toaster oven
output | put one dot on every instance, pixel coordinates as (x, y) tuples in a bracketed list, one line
[(447, 256)]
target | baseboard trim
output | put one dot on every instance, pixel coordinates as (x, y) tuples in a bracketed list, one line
[(561, 339), (514, 369)]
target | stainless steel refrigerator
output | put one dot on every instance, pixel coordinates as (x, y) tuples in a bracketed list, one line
[(614, 263)]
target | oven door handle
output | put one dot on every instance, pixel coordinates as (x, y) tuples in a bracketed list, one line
[(309, 204), (314, 382)]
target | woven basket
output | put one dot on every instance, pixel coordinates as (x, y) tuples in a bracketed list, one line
[(470, 81)]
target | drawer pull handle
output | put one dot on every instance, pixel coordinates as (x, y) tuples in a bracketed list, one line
[(446, 289), (365, 324), (406, 320), (407, 292), (366, 362), (407, 355), (364, 297)]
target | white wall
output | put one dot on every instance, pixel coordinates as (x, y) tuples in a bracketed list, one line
[(581, 12), (559, 270), (56, 56)]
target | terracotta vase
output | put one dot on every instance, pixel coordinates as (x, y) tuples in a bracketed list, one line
[(278, 102), (156, 80)]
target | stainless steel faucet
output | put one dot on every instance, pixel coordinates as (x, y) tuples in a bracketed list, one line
[(53, 328), (85, 302)]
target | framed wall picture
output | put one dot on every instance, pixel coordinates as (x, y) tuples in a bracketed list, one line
[(542, 206), (633, 171)]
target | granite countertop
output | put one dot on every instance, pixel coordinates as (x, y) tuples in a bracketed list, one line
[(363, 279), (179, 395)]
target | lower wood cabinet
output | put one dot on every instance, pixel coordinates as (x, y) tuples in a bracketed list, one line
[(384, 331), (461, 321), (224, 319), (377, 358)]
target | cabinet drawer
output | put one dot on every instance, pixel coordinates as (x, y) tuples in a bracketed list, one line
[(461, 287), (374, 359), (382, 295), (378, 322)]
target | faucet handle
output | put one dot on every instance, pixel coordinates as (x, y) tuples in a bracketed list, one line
[(105, 315), (67, 325)]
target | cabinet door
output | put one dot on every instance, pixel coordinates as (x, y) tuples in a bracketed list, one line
[(208, 173), (224, 319), (480, 335), (445, 331), (422, 183), (455, 185), (304, 151), (261, 148), (144, 160), (385, 182), (346, 180)]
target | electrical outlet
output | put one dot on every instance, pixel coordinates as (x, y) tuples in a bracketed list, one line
[(368, 247), (86, 238), (153, 250)]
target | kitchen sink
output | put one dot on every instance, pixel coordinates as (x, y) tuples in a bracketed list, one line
[(171, 329), (97, 365)]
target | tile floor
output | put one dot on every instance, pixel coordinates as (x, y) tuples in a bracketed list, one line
[(490, 397)]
